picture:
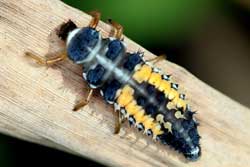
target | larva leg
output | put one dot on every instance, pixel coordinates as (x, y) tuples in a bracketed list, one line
[(118, 28), (95, 20), (48, 61), (157, 59), (118, 122), (84, 102)]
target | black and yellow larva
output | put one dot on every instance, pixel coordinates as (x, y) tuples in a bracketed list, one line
[(139, 91)]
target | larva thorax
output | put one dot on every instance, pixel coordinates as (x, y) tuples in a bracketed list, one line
[(144, 96)]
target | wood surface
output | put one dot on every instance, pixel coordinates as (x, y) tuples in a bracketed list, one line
[(36, 102)]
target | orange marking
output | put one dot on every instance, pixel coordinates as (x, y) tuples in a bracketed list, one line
[(148, 123), (165, 87), (156, 130), (181, 104), (172, 94), (132, 108), (155, 79), (126, 96), (143, 73), (139, 116), (124, 99)]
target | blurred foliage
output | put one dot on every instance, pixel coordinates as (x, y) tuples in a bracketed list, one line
[(5, 154), (243, 3)]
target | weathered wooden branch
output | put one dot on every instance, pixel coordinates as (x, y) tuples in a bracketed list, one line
[(36, 102)]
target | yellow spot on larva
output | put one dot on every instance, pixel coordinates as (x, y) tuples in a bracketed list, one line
[(160, 118), (165, 87), (125, 96), (148, 123), (168, 126), (170, 105), (156, 130), (142, 74), (181, 104), (128, 89), (155, 79), (139, 116), (132, 108), (124, 99), (178, 115), (175, 100), (172, 94)]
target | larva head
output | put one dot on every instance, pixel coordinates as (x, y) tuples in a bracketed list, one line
[(80, 41), (65, 29)]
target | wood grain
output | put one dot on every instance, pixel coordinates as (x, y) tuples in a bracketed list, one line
[(36, 102)]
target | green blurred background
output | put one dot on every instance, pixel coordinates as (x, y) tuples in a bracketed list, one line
[(211, 38)]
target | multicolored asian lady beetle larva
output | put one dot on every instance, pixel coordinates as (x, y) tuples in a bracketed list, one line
[(140, 93)]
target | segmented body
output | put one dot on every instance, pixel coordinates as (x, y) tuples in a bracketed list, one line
[(140, 92)]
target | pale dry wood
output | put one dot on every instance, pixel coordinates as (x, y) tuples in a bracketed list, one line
[(36, 102)]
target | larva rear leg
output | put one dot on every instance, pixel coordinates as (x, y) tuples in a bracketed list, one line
[(84, 102), (48, 61), (118, 28), (157, 59), (119, 121), (95, 20)]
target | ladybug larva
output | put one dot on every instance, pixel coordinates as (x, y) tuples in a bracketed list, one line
[(140, 92)]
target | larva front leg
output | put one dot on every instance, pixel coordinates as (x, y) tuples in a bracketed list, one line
[(48, 61), (118, 29), (83, 102), (95, 20), (157, 59)]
